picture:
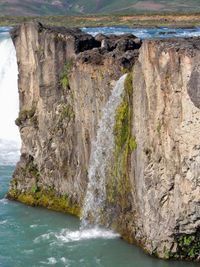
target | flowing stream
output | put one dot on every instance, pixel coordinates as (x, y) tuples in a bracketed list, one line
[(101, 153)]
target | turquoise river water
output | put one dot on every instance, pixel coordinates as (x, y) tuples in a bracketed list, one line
[(36, 237)]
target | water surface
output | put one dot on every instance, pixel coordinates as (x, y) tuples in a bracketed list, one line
[(36, 237), (146, 33)]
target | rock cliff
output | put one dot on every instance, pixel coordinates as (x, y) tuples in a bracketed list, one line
[(65, 79)]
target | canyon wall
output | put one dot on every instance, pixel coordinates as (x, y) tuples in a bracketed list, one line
[(165, 167), (65, 79)]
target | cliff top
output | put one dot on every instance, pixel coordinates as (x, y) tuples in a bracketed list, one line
[(122, 49)]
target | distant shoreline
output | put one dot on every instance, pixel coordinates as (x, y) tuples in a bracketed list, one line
[(137, 20)]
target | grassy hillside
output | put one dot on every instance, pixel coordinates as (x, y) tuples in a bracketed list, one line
[(77, 7), (175, 20)]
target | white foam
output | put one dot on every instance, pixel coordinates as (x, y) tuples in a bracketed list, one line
[(4, 201), (67, 236), (67, 262), (43, 237), (28, 251), (63, 259), (3, 222), (50, 261), (33, 225)]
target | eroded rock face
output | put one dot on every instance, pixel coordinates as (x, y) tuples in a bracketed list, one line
[(66, 78), (165, 167)]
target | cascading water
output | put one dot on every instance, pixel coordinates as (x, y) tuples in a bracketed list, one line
[(101, 153), (9, 102)]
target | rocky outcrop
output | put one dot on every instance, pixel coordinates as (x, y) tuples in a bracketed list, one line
[(165, 166), (66, 78)]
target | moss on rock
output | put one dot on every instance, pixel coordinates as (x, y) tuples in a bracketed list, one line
[(188, 247), (118, 186), (25, 115), (46, 198), (125, 143), (36, 194), (64, 77)]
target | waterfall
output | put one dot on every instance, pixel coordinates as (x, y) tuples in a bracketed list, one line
[(9, 102), (101, 154)]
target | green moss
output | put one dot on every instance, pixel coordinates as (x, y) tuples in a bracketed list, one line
[(121, 129), (38, 196), (13, 188), (129, 84), (26, 199), (46, 198), (118, 187), (27, 115), (35, 189), (64, 77), (188, 247), (132, 143), (186, 240), (65, 82)]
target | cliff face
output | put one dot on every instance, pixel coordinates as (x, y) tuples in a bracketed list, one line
[(165, 166), (65, 79)]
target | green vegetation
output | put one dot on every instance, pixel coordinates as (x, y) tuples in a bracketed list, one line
[(136, 20), (64, 77), (79, 7), (47, 199), (37, 196), (34, 189), (118, 187), (188, 247), (121, 129), (27, 115), (132, 143), (119, 195)]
